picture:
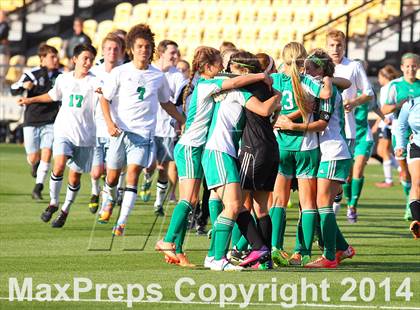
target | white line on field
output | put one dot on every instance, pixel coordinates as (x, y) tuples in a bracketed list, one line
[(216, 303)]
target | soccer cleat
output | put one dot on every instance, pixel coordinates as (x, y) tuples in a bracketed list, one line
[(94, 204), (407, 214), (384, 184), (183, 260), (224, 265), (34, 169), (342, 255), (106, 212), (279, 257), (298, 260), (207, 261), (236, 257), (159, 210), (48, 212), (261, 255), (201, 230), (322, 262), (351, 215), (36, 192), (145, 192), (118, 230), (415, 229), (336, 207), (60, 220), (263, 266), (168, 249)]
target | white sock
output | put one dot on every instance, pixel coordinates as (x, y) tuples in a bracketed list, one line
[(95, 186), (387, 166), (41, 173), (161, 188), (129, 199), (70, 197), (110, 191), (121, 180), (55, 187)]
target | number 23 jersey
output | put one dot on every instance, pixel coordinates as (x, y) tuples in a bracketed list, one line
[(75, 120)]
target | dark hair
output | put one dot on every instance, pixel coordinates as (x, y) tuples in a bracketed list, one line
[(78, 49), (389, 72), (246, 60), (163, 45), (140, 31), (45, 49), (226, 45), (203, 55), (320, 58)]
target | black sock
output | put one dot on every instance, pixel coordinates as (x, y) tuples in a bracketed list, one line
[(266, 228), (249, 230), (415, 210)]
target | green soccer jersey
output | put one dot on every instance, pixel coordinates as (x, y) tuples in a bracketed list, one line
[(400, 90), (295, 140), (362, 124)]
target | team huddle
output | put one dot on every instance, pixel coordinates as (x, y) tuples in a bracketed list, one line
[(251, 132)]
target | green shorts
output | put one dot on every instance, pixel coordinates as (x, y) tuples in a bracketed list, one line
[(219, 168), (299, 164), (188, 161), (337, 170), (363, 148)]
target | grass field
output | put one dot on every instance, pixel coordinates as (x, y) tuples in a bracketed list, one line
[(32, 249)]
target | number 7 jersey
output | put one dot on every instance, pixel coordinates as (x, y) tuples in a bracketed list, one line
[(75, 120)]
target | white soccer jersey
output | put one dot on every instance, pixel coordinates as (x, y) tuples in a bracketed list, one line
[(354, 72), (135, 96), (382, 99), (101, 127), (228, 122), (75, 120), (176, 82), (332, 142), (200, 112)]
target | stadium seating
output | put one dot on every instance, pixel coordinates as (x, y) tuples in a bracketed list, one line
[(244, 22), (17, 64)]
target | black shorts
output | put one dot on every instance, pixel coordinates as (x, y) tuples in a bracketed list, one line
[(258, 169), (413, 152), (385, 133)]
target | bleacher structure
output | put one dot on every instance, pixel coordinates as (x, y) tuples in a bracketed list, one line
[(254, 25)]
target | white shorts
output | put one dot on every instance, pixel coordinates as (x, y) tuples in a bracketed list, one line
[(164, 148), (36, 138), (131, 149), (80, 157), (100, 151)]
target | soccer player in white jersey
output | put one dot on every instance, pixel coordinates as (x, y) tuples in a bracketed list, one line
[(113, 50), (353, 71), (165, 133), (74, 129), (135, 89)]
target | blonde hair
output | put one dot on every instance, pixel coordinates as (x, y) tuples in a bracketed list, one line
[(294, 55)]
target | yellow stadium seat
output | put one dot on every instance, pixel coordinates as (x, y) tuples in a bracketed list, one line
[(280, 3), (160, 31), (123, 11), (247, 15), (57, 42), (284, 16), (212, 33), (231, 32), (176, 14), (225, 3), (244, 3), (229, 15), (249, 33), (268, 33), (320, 16), (89, 27), (302, 17), (358, 24), (104, 27), (194, 34), (266, 15), (193, 14), (158, 14), (392, 7), (176, 32), (15, 71), (211, 14), (140, 13)]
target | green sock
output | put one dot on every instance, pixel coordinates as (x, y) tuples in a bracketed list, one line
[(347, 191), (406, 187), (318, 231), (278, 219), (328, 230), (242, 244), (299, 236), (178, 220), (356, 189), (215, 208), (236, 235), (308, 225), (222, 235), (179, 240), (341, 243)]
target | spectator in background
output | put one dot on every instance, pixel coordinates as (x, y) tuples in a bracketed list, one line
[(77, 38), (4, 48), (226, 45)]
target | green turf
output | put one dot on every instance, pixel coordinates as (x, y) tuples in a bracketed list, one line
[(31, 248)]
